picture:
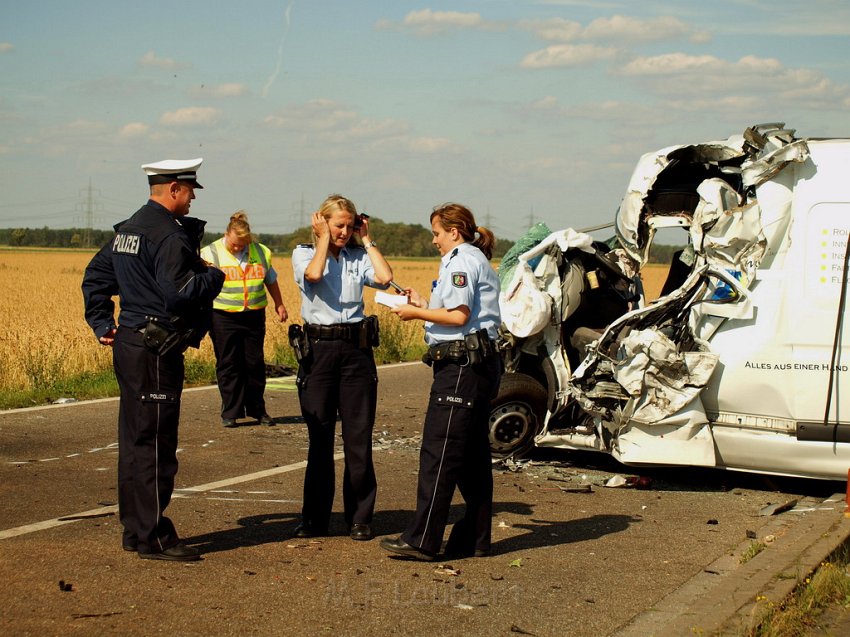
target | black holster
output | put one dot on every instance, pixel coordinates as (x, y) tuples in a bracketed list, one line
[(479, 346), (161, 337), (299, 341), (369, 332)]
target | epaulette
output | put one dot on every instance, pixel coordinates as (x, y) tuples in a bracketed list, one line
[(305, 245)]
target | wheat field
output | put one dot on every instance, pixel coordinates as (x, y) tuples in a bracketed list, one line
[(47, 338)]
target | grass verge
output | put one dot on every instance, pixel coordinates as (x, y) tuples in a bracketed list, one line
[(827, 587), (85, 386), (92, 385), (399, 342)]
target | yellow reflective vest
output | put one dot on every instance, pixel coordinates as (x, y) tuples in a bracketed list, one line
[(243, 289)]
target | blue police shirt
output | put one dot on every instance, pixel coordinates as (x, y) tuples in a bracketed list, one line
[(465, 278), (338, 297)]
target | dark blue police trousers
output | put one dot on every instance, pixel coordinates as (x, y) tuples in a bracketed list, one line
[(455, 452), (338, 378), (148, 416)]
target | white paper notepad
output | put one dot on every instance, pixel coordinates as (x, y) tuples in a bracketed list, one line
[(390, 300)]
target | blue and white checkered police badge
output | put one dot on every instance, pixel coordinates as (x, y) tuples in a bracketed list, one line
[(459, 279)]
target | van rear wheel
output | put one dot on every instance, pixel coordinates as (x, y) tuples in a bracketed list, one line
[(516, 415)]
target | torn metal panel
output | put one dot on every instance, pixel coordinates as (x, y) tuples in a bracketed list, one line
[(768, 166), (660, 379), (630, 220), (687, 440), (728, 233)]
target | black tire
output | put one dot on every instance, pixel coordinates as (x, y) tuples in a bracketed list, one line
[(516, 415)]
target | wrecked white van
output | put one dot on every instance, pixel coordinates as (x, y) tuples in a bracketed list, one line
[(739, 364)]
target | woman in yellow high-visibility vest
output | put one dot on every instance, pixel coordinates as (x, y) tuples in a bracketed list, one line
[(239, 320)]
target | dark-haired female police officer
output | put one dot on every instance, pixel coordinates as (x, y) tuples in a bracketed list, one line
[(338, 372), (460, 328)]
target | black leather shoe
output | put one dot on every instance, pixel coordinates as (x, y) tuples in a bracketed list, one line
[(361, 532), (461, 542), (454, 554), (400, 547), (267, 420), (177, 553), (129, 542), (305, 531), (228, 422)]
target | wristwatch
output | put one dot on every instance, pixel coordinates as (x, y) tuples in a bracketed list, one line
[(366, 246)]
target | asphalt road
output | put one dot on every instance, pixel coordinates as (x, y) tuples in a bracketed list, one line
[(565, 562)]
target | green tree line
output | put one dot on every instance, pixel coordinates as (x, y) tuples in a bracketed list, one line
[(395, 239)]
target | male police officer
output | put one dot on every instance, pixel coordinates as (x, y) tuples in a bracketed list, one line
[(166, 291)]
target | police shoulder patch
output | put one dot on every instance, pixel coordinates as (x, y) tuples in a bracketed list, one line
[(459, 279), (126, 243)]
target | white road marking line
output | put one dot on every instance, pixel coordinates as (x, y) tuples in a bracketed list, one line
[(255, 500), (210, 486)]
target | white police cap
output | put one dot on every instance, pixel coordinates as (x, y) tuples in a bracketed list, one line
[(168, 170)]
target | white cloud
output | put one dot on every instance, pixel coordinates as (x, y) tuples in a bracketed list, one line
[(151, 59), (134, 129), (677, 63), (718, 104), (332, 128), (567, 55), (553, 29), (746, 83), (427, 22), (219, 91), (593, 4), (609, 111), (6, 47), (191, 116), (618, 29), (317, 115)]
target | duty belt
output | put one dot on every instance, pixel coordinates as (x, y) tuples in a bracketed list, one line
[(475, 348), (341, 331), (451, 350)]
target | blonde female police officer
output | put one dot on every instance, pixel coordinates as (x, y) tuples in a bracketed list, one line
[(239, 320), (336, 371), (460, 327)]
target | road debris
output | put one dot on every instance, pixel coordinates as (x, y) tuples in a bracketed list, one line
[(779, 507), (579, 488), (615, 482)]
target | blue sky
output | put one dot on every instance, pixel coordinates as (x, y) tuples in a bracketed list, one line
[(522, 110)]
